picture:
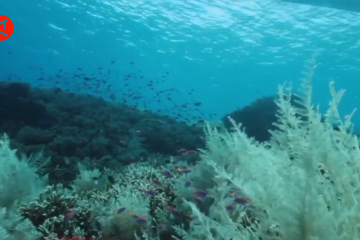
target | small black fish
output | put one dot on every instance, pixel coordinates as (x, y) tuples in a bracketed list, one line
[(111, 179)]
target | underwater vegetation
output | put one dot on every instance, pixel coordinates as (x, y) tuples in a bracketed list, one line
[(161, 120), (68, 127), (76, 165), (78, 144)]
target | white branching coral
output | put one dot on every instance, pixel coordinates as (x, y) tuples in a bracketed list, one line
[(303, 184)]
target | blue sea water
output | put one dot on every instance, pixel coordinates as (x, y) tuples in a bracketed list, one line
[(230, 52)]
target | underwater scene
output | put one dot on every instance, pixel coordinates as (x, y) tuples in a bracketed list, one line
[(179, 120)]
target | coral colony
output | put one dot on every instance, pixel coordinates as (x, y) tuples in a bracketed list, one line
[(101, 182)]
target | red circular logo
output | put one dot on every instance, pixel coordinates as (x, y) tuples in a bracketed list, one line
[(6, 27)]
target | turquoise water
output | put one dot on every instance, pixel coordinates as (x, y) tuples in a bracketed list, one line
[(230, 52)]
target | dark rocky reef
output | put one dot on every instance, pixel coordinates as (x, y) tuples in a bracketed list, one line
[(72, 127)]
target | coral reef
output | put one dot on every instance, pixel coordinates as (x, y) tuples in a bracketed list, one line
[(70, 128), (100, 170)]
